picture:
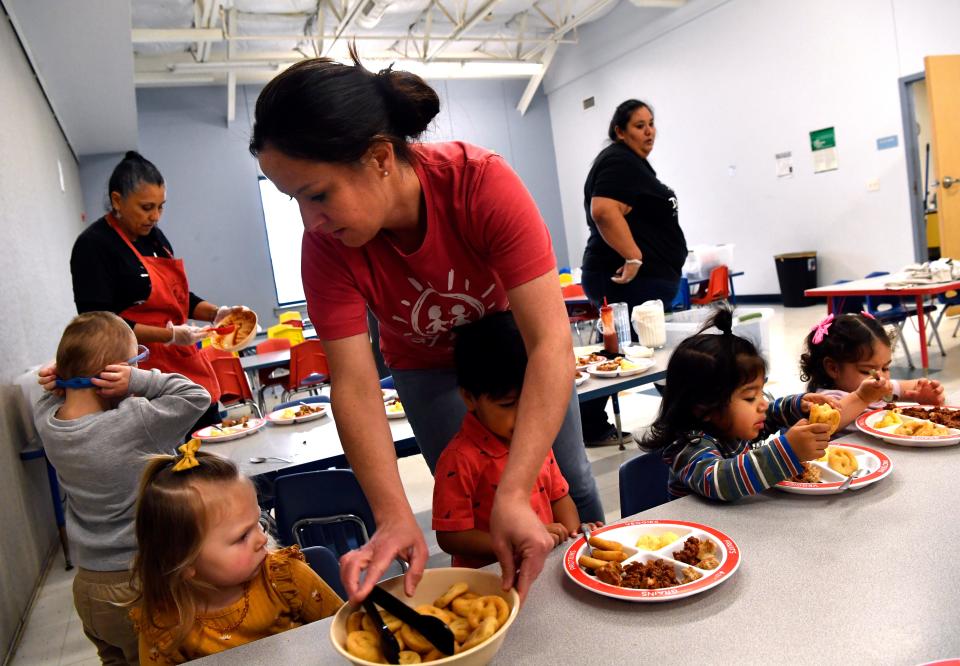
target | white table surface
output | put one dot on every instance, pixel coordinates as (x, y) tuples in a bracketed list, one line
[(299, 443), (865, 577)]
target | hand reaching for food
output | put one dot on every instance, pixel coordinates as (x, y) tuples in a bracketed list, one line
[(397, 535), (114, 381), (874, 388), (185, 334), (808, 440), (926, 392), (520, 542)]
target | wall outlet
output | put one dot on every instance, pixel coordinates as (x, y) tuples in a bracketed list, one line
[(873, 185)]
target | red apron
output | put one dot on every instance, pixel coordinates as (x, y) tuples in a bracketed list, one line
[(169, 301)]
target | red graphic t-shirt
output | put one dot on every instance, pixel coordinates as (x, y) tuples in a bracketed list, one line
[(466, 480), (484, 236)]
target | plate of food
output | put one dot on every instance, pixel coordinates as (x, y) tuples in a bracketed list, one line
[(621, 367), (302, 413), (244, 323), (913, 425), (652, 560), (586, 360), (388, 394), (394, 409), (230, 429), (826, 475), (580, 378)]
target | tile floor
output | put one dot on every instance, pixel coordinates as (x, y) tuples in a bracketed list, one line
[(53, 635)]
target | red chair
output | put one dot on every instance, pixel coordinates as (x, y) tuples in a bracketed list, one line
[(211, 353), (717, 288), (578, 313), (308, 368), (234, 388)]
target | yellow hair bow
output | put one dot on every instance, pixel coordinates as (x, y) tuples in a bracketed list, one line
[(189, 459)]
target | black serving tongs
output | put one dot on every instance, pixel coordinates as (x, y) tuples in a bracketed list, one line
[(432, 628), (388, 642)]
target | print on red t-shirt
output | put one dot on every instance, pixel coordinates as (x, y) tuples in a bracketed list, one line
[(484, 237)]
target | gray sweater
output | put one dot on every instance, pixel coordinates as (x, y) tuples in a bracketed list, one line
[(99, 459)]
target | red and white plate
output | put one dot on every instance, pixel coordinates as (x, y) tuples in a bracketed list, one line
[(636, 366), (289, 416), (627, 535), (867, 421), (211, 435), (876, 463)]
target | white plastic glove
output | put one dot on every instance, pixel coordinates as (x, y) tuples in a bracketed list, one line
[(224, 310), (185, 334)]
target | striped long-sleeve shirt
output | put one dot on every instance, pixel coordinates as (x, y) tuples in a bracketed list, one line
[(736, 470)]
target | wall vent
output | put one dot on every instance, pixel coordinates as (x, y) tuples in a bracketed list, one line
[(589, 103)]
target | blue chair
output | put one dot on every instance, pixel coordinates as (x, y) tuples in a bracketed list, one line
[(325, 564), (891, 310), (387, 382), (947, 300), (643, 484), (852, 304), (682, 300)]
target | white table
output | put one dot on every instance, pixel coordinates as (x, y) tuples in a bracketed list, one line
[(866, 577)]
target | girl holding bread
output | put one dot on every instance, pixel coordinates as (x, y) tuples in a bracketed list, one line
[(714, 419), (846, 356)]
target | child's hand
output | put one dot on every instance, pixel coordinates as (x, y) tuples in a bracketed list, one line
[(114, 381), (809, 399), (559, 533), (927, 392), (809, 440), (874, 389), (590, 526), (47, 378)]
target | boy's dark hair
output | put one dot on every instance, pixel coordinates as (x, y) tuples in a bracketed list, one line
[(489, 356), (849, 339), (702, 375)]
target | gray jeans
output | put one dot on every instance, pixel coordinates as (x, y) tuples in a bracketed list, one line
[(435, 410)]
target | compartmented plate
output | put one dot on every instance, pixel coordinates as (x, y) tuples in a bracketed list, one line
[(580, 378), (634, 366), (584, 361), (210, 435), (629, 533), (868, 421), (289, 416), (876, 463), (394, 409)]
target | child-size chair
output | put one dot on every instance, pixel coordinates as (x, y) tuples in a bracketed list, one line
[(682, 300), (339, 518), (717, 287), (234, 388), (308, 368), (268, 377), (892, 310), (578, 313), (643, 484), (324, 563)]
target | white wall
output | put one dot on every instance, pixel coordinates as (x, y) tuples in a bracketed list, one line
[(38, 223), (733, 82)]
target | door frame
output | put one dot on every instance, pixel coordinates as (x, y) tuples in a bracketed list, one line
[(914, 173)]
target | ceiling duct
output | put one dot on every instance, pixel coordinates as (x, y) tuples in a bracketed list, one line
[(371, 12)]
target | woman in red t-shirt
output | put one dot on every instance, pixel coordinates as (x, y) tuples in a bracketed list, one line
[(428, 236)]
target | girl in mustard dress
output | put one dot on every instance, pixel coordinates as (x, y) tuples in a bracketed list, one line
[(206, 580)]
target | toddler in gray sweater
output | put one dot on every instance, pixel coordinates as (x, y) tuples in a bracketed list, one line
[(97, 433)]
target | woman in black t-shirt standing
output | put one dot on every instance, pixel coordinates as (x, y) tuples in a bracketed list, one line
[(636, 248)]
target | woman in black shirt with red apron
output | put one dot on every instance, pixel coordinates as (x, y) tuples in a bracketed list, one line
[(124, 264)]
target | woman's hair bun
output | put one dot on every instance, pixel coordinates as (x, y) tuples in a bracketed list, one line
[(411, 103), (133, 155)]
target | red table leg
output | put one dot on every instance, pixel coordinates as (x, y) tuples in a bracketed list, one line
[(921, 316)]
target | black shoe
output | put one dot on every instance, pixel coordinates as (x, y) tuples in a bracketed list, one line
[(609, 439)]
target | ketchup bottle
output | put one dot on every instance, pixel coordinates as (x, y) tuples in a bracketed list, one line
[(611, 343)]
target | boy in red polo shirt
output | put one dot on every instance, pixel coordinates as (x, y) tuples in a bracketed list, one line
[(490, 361)]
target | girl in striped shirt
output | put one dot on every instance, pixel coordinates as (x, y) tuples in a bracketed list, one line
[(714, 420)]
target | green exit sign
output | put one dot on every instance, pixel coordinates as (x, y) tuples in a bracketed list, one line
[(822, 138)]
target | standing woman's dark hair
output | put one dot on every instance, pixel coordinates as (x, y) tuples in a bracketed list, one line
[(849, 338), (323, 110), (131, 172), (703, 373), (622, 115)]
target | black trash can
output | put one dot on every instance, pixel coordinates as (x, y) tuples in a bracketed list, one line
[(797, 272)]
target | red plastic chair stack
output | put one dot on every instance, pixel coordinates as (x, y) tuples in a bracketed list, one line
[(308, 368), (234, 389), (717, 287)]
